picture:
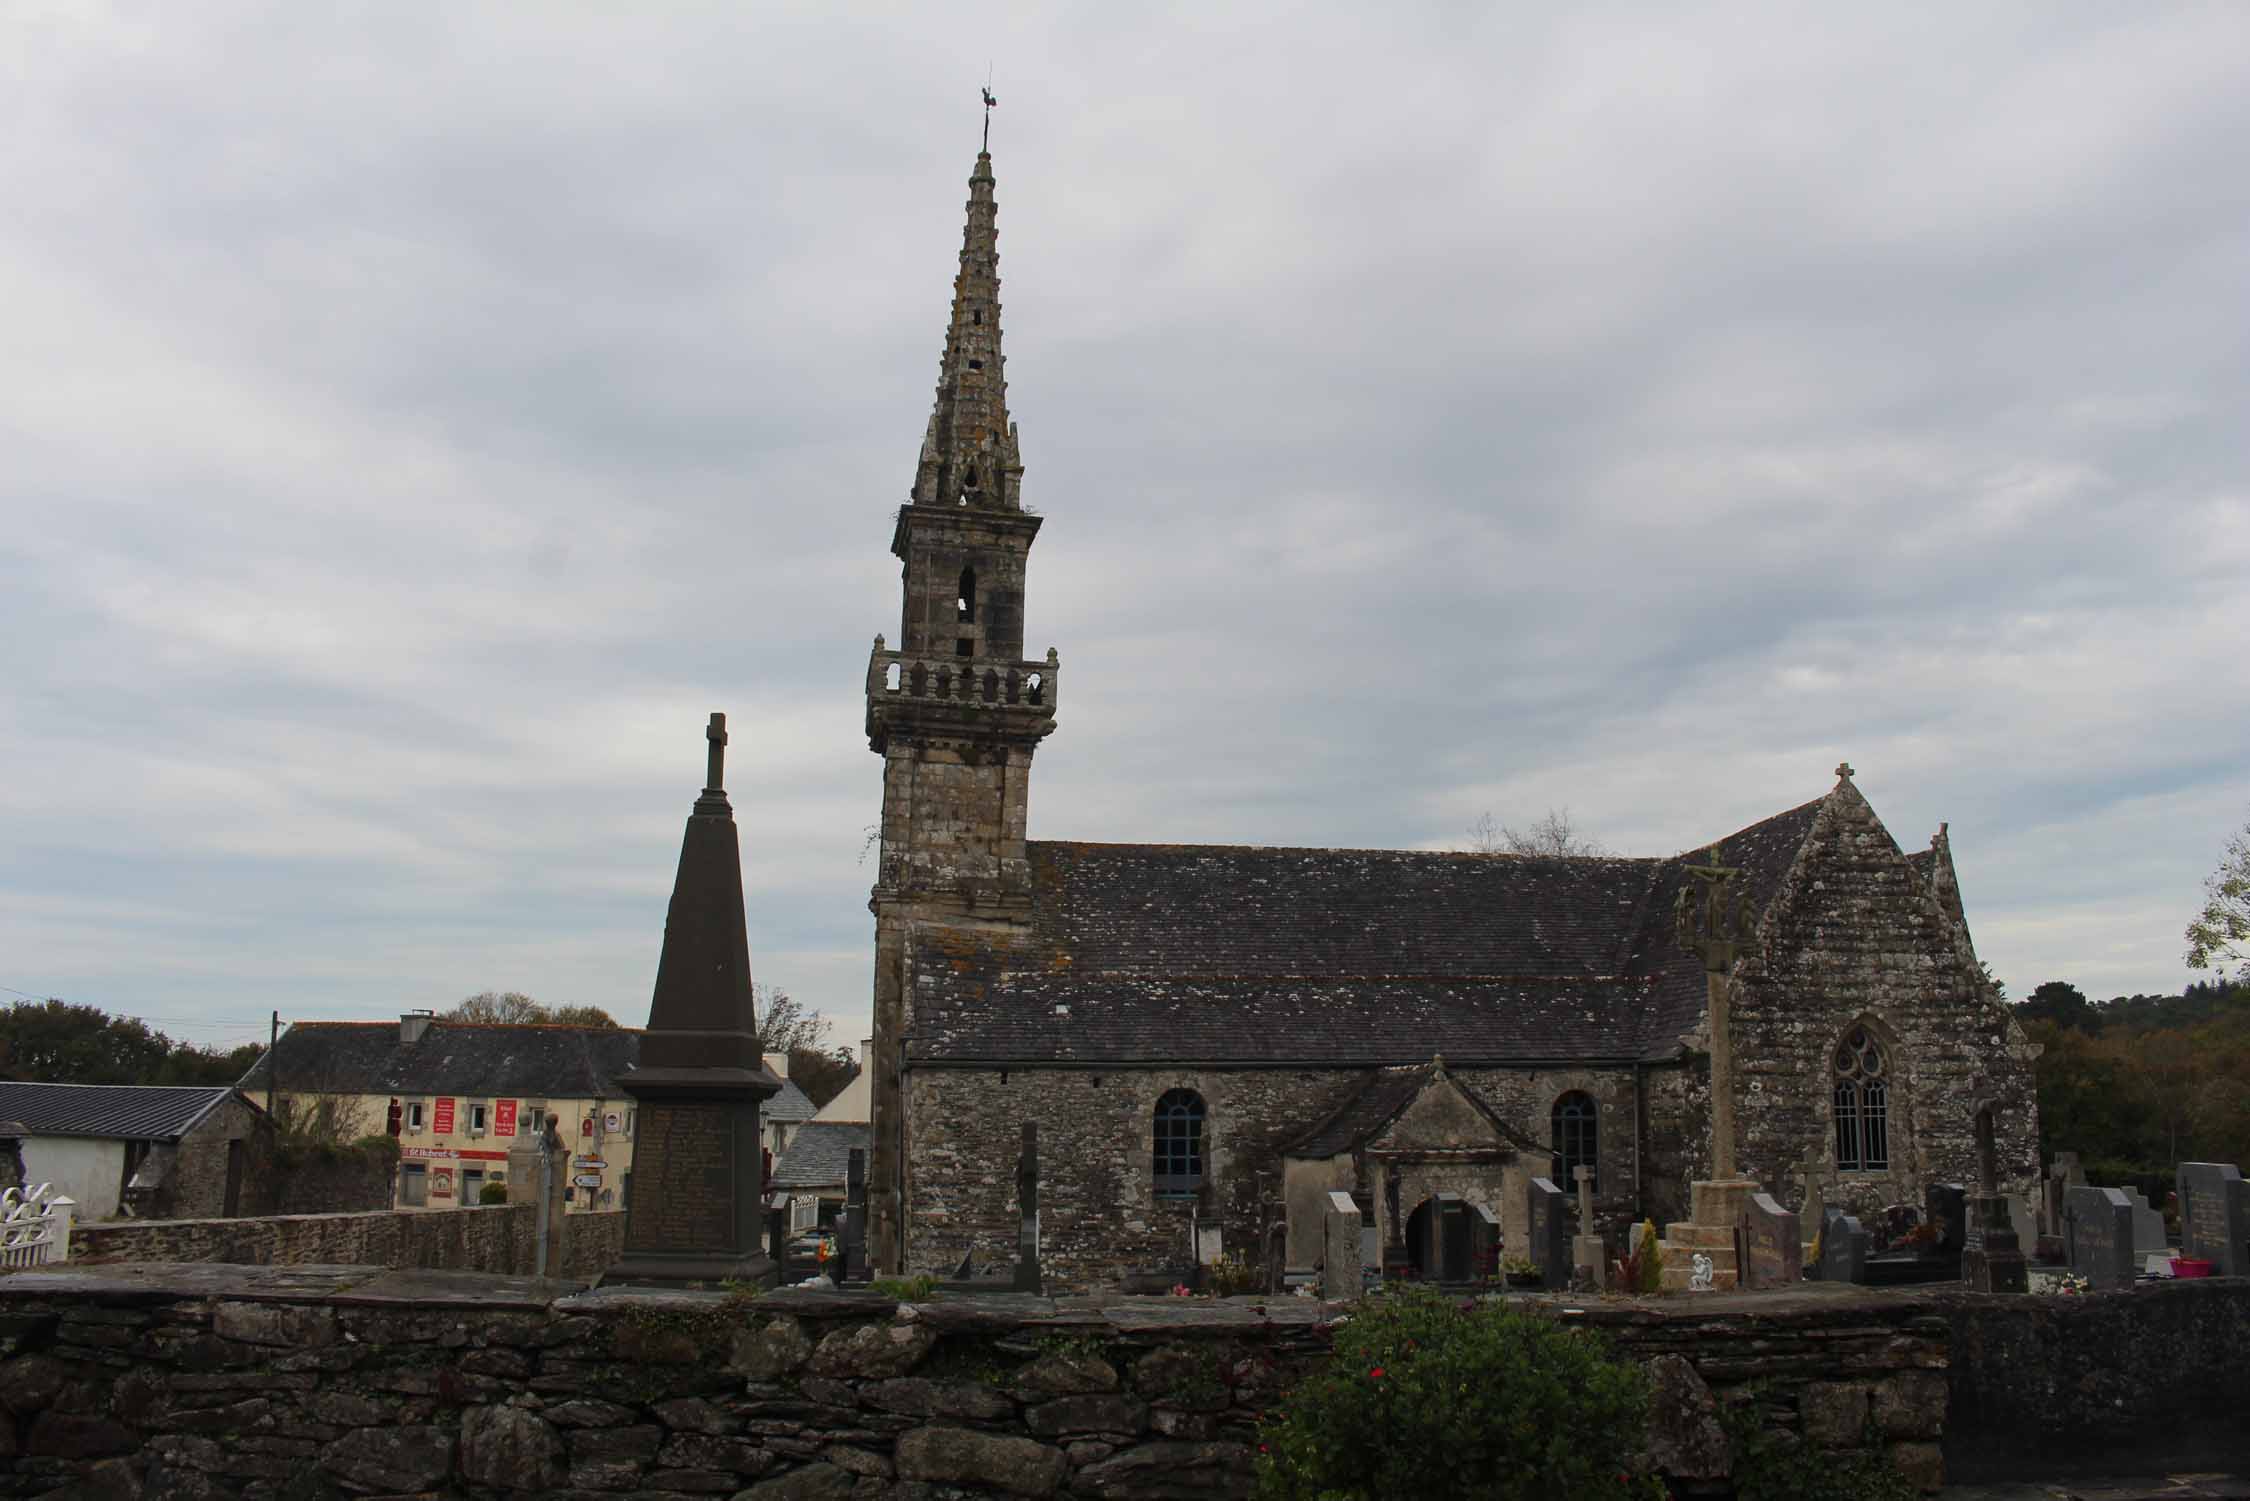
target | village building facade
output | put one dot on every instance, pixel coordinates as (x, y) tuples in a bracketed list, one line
[(1212, 1038), (465, 1096)]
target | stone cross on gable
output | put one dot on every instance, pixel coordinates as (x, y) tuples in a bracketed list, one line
[(1584, 1177)]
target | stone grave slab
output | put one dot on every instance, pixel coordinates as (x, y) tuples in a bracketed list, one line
[(1550, 1234), (1993, 1259), (1340, 1279), (2215, 1216), (2148, 1225), (2098, 1236), (1843, 1248), (1772, 1250)]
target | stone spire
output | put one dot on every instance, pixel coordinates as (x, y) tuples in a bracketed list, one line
[(969, 454), (701, 1016)]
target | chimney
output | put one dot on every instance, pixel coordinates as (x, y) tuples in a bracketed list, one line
[(412, 1025)]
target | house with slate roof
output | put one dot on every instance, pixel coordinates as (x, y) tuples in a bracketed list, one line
[(1218, 1036), (465, 1094), (148, 1150)]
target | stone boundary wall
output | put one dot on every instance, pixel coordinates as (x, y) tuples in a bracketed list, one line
[(219, 1381), (497, 1238)]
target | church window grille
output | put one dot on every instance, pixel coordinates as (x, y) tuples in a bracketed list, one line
[(1862, 1095), (1179, 1142), (1576, 1139), (965, 602)]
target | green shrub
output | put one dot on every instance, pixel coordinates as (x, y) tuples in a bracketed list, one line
[(1432, 1398), (493, 1193), (915, 1289)]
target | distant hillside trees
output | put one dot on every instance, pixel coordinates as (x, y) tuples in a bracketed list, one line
[(512, 1008), (63, 1042), (2140, 1083)]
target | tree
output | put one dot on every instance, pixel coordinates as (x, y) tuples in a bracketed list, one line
[(2062, 1003), (62, 1042), (784, 1025), (1551, 835), (2222, 930), (496, 1008), (512, 1008), (821, 1074)]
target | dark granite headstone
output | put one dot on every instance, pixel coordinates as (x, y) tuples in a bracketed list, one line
[(1992, 1260), (2215, 1216), (698, 1193), (1550, 1233), (1945, 1206), (2098, 1235), (1843, 1248), (1768, 1249)]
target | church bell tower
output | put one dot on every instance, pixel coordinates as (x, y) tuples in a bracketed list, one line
[(954, 710)]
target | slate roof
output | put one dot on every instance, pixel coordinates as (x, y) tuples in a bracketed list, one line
[(536, 1062), (1251, 956), (791, 1104), (140, 1112), (819, 1154)]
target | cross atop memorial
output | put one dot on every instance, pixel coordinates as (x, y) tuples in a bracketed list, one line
[(715, 776), (1712, 920)]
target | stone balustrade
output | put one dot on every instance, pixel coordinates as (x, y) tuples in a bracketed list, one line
[(974, 682)]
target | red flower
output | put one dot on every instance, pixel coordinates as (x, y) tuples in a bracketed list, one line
[(1375, 1374)]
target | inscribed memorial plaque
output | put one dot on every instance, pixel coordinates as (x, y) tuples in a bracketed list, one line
[(683, 1179), (2098, 1230), (1771, 1253), (1843, 1248), (2215, 1216)]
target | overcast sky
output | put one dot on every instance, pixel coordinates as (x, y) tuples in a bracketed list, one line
[(414, 419)]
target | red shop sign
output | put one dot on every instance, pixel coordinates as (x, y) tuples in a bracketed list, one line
[(441, 1119), (504, 1118)]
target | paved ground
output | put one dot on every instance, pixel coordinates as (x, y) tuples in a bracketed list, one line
[(2122, 1488)]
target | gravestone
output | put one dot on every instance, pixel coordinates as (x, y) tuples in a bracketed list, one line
[(698, 1191), (1484, 1242), (2098, 1235), (1945, 1206), (1398, 1264), (1843, 1248), (1589, 1257), (1769, 1251), (1992, 1259), (2215, 1216), (1340, 1279), (1550, 1235), (2148, 1226), (855, 1215), (1027, 1203), (2061, 1179)]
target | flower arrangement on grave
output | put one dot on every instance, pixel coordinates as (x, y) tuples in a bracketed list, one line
[(1641, 1270), (1924, 1234), (2072, 1285)]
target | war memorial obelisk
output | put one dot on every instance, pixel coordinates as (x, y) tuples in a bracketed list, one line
[(695, 1213)]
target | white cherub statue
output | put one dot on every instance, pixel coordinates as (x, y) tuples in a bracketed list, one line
[(1699, 1280)]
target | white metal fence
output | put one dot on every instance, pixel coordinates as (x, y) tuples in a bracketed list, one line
[(35, 1226)]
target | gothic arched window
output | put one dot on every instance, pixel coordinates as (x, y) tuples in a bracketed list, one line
[(1575, 1139), (1863, 1133), (1179, 1142)]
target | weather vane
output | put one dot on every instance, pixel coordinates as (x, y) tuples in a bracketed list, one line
[(990, 99)]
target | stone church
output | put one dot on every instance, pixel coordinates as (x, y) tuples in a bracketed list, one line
[(1216, 1036)]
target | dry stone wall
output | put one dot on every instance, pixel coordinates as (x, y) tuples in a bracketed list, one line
[(227, 1382)]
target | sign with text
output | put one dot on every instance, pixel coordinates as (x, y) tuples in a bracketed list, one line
[(441, 1116), (684, 1180), (504, 1118), (441, 1183)]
